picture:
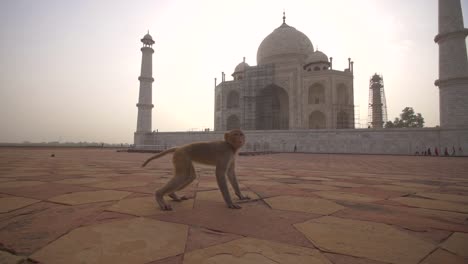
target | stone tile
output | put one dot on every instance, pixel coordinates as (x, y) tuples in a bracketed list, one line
[(416, 219), (343, 259), (269, 224), (105, 243), (317, 187), (279, 176), (346, 196), (251, 178), (216, 196), (373, 192), (441, 256), (89, 197), (207, 185), (445, 197), (284, 189), (8, 204), (150, 188), (364, 239), (250, 250), (396, 188), (16, 184), (118, 184), (106, 216), (170, 260), (8, 258), (145, 206), (433, 236), (27, 229), (414, 185), (458, 187), (81, 180), (264, 183), (44, 191), (343, 184), (312, 178), (201, 238), (458, 244), (303, 204), (432, 204)]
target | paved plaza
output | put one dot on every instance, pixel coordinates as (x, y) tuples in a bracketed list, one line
[(87, 205)]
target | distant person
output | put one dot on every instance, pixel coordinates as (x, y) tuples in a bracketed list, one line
[(436, 151), (295, 148), (454, 152), (417, 152), (446, 152), (460, 151), (429, 152)]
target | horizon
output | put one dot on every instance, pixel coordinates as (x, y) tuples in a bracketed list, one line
[(69, 70)]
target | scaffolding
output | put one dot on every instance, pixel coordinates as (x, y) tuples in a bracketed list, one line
[(377, 114)]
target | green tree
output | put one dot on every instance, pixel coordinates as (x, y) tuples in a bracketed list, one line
[(407, 119)]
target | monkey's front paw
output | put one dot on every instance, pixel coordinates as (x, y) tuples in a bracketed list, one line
[(234, 206)]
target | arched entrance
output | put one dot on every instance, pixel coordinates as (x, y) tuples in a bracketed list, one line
[(272, 108), (232, 122), (317, 120)]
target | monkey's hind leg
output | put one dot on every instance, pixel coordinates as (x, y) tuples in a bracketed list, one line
[(189, 180), (181, 175)]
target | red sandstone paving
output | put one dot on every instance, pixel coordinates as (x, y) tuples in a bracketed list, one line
[(28, 229), (201, 238), (46, 190), (273, 225), (400, 217), (171, 260), (343, 259)]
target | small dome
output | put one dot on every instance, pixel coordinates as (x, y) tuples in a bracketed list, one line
[(147, 39), (148, 36), (284, 43), (317, 57), (241, 67)]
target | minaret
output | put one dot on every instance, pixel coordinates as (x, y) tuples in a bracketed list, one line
[(145, 105), (453, 66)]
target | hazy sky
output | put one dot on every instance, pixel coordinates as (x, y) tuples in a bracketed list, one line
[(69, 69)]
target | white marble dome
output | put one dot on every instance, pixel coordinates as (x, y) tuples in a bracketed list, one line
[(317, 56), (283, 44), (241, 67)]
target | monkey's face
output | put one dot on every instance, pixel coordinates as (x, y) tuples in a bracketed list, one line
[(235, 138)]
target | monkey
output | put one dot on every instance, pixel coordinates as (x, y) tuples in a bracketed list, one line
[(221, 154)]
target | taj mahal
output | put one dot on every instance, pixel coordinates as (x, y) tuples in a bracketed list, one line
[(294, 100), (293, 86)]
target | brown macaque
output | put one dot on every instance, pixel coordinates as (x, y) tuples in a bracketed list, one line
[(221, 154)]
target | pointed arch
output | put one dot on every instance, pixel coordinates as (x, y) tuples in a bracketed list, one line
[(233, 122), (316, 94), (233, 99), (272, 108), (317, 120)]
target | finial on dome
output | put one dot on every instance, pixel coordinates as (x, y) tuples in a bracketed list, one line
[(284, 17), (244, 60)]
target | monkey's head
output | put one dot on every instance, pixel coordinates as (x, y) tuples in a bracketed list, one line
[(235, 138)]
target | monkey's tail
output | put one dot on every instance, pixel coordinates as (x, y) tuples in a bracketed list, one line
[(159, 155)]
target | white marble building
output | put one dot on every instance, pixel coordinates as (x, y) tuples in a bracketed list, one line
[(292, 86)]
